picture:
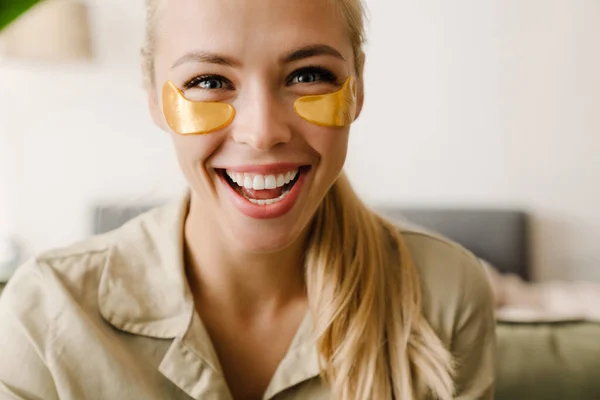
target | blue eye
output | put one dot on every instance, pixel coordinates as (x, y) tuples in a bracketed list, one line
[(211, 84), (306, 77), (208, 82), (310, 75)]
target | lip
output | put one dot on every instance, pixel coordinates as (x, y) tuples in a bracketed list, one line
[(267, 169), (268, 211)]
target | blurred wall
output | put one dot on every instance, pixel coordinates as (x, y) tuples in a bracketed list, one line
[(469, 103), (82, 133), (489, 102)]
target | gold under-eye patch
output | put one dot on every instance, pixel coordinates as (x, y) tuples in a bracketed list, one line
[(336, 109), (188, 117)]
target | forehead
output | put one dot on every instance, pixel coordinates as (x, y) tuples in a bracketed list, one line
[(249, 29)]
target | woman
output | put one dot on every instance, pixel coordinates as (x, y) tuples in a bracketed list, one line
[(270, 279)]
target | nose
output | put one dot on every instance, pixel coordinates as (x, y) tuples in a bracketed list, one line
[(261, 120)]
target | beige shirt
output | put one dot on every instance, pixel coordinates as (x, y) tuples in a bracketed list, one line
[(113, 318)]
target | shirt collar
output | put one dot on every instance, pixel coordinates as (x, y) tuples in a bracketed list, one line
[(143, 290)]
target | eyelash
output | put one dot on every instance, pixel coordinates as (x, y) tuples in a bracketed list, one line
[(326, 75), (195, 81)]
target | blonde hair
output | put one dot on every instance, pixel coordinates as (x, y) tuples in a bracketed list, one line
[(363, 289)]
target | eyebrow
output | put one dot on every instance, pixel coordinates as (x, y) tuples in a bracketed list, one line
[(294, 55), (206, 57), (311, 51)]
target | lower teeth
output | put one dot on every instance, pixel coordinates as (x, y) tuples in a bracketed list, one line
[(267, 201)]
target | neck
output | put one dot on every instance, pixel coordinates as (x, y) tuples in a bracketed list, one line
[(237, 282)]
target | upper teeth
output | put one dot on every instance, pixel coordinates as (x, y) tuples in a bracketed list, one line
[(261, 182)]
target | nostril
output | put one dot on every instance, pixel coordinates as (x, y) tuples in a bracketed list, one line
[(262, 133)]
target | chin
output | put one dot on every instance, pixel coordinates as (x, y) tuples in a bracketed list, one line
[(262, 237)]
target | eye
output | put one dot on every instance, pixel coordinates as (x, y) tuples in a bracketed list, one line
[(312, 75), (211, 84), (208, 82), (306, 77)]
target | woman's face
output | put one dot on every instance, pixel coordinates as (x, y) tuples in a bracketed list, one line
[(259, 56)]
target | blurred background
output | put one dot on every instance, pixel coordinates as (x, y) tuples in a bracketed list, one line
[(470, 104)]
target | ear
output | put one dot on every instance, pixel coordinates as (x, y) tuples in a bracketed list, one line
[(155, 109)]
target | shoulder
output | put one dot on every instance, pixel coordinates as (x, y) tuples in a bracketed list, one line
[(458, 303), (444, 265), (131, 277), (455, 285), (49, 288), (50, 278), (55, 279)]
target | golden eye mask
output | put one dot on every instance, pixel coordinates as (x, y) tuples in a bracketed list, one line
[(187, 117), (336, 109)]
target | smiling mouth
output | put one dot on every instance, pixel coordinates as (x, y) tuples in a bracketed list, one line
[(263, 189)]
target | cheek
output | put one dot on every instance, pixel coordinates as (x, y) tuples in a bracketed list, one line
[(195, 149), (331, 144)]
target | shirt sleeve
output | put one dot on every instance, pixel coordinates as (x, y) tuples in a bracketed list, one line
[(23, 372), (474, 344)]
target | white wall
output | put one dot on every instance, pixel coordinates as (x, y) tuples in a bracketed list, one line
[(83, 134), (489, 102), (469, 103)]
